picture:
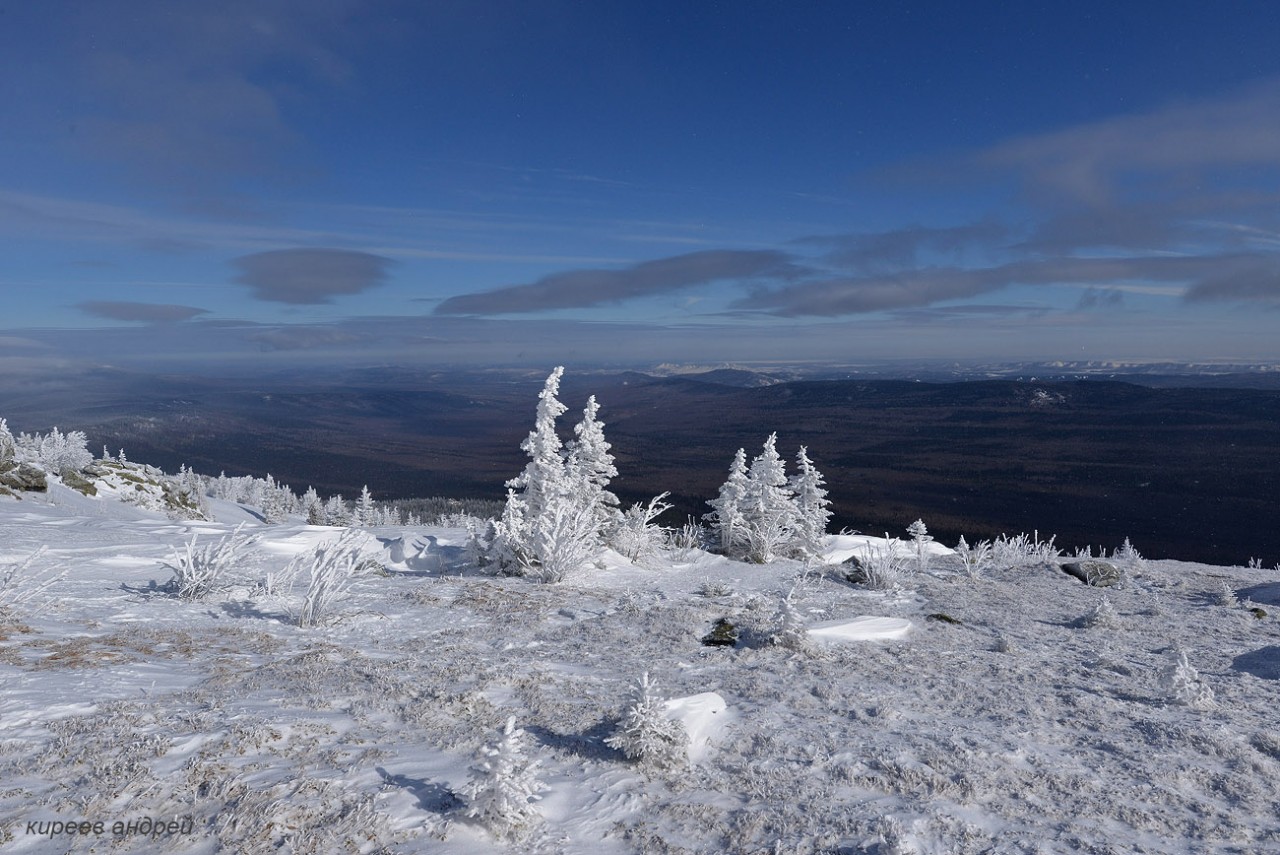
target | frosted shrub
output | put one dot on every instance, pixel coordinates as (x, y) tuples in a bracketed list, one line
[(637, 537), (883, 567), (19, 585), (1129, 558), (976, 560), (1103, 616), (197, 572), (647, 735), (332, 565), (564, 539), (57, 452), (504, 785), (1226, 596), (1183, 684), (688, 539), (1009, 552)]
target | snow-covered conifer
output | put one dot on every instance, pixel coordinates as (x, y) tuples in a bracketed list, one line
[(504, 785), (726, 514), (547, 528), (1183, 684), (920, 537), (8, 446), (646, 734), (335, 511), (312, 507), (768, 507), (789, 631), (589, 467), (544, 474), (61, 453), (813, 508), (1227, 596), (365, 513)]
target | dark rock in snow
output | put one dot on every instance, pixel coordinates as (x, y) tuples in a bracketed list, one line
[(853, 570), (943, 617), (76, 481), (1100, 574), (723, 634), (24, 477)]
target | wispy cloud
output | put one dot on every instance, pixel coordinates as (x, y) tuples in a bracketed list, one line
[(1208, 277), (904, 247), (310, 276), (1090, 163), (150, 313), (585, 288)]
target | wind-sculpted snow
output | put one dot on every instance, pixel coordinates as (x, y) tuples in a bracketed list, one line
[(1013, 727)]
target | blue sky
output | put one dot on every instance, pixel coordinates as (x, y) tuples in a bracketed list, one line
[(364, 182)]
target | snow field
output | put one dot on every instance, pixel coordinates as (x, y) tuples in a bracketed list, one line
[(1016, 730)]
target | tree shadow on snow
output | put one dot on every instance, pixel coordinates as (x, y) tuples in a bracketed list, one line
[(1263, 662), (243, 609), (588, 745), (431, 796), (1268, 592)]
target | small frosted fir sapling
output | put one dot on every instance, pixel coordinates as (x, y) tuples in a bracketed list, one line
[(504, 785), (920, 537), (645, 733), (1226, 596), (1182, 683), (789, 631)]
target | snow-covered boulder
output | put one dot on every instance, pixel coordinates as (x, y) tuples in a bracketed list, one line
[(1100, 574)]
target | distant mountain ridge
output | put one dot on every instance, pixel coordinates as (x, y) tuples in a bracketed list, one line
[(1186, 472)]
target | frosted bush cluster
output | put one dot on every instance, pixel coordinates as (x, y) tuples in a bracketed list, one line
[(760, 513)]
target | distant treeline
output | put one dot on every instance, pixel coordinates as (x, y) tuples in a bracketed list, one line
[(431, 509)]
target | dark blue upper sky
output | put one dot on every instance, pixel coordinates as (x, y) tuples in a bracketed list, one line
[(589, 181)]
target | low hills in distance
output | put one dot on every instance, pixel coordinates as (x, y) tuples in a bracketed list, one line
[(1180, 459)]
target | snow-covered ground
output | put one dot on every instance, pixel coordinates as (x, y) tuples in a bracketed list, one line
[(1013, 727)]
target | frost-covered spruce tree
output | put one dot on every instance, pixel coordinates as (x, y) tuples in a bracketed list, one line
[(366, 513), (645, 733), (8, 447), (335, 511), (789, 631), (547, 527), (726, 515), (813, 508), (768, 508), (504, 785), (589, 467), (527, 493)]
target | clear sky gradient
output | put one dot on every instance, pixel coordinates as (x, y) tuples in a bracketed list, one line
[(422, 182)]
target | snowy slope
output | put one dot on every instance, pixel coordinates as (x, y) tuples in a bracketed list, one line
[(1016, 730)]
